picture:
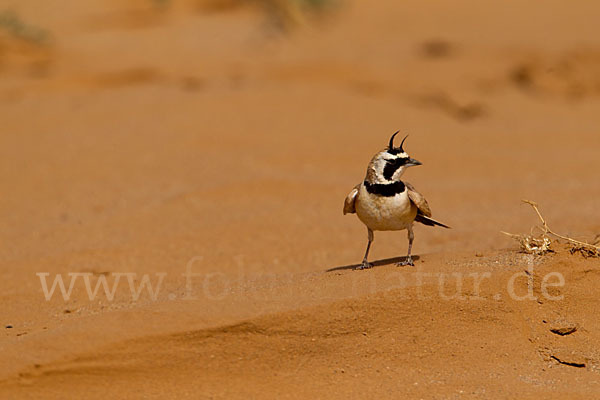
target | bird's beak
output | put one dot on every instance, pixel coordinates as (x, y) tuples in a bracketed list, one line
[(413, 163)]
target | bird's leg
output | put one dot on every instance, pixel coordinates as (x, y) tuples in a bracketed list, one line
[(365, 264), (411, 237)]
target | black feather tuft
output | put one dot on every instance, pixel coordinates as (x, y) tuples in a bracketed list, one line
[(402, 144), (391, 145)]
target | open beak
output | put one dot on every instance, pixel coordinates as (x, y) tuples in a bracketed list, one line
[(413, 163)]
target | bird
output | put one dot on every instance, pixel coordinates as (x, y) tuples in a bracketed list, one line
[(383, 202)]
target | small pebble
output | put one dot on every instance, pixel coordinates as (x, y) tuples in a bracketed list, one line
[(8, 326), (563, 331)]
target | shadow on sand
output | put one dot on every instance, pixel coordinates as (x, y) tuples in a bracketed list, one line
[(377, 263)]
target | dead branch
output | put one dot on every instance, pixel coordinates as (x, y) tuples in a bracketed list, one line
[(541, 244)]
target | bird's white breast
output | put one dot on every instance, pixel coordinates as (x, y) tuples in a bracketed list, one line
[(380, 213)]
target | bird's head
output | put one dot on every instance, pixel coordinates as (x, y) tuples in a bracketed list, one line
[(389, 164)]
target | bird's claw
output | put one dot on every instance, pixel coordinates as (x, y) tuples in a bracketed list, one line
[(408, 261), (364, 265)]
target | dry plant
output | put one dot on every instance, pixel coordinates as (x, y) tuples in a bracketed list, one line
[(13, 24), (541, 243), (282, 14)]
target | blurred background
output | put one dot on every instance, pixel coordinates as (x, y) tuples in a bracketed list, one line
[(137, 134)]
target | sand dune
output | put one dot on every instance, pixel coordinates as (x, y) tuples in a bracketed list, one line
[(413, 340)]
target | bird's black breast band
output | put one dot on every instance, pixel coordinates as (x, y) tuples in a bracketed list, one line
[(385, 189)]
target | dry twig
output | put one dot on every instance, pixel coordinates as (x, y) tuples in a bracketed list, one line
[(541, 244)]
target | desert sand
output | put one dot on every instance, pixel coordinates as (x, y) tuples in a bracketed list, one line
[(218, 139)]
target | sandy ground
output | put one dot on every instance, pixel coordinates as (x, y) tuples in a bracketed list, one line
[(156, 138)]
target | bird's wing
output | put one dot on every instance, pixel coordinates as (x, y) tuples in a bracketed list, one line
[(350, 200), (418, 200)]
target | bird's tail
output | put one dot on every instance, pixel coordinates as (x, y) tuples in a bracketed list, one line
[(429, 221)]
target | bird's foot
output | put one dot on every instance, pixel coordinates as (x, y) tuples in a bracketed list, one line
[(364, 265), (408, 261)]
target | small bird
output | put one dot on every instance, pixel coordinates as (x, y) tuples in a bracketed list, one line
[(385, 203)]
